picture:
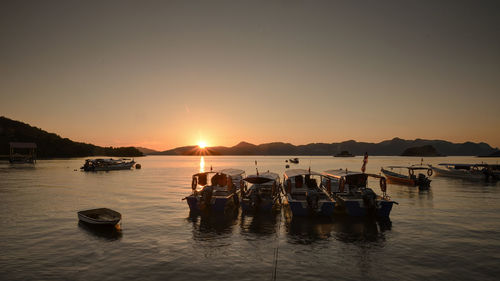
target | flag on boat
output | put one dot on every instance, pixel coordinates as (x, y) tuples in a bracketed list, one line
[(365, 160)]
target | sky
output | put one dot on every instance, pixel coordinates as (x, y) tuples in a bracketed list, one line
[(163, 74)]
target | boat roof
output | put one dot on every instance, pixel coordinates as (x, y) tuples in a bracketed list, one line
[(299, 172), (262, 178), (346, 173), (229, 171), (467, 165), (409, 167)]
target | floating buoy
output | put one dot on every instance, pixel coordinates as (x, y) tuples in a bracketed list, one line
[(287, 166), (137, 166)]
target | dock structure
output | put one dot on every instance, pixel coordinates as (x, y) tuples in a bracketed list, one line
[(22, 152)]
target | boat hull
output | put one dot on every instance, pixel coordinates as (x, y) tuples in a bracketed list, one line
[(217, 204), (300, 208), (357, 208), (265, 206)]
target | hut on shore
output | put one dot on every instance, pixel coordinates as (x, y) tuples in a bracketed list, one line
[(22, 152)]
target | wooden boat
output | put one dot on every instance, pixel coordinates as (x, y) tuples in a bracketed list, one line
[(107, 164), (344, 153), (264, 193), (294, 160), (303, 196), (354, 197), (101, 216), (475, 172), (215, 190), (421, 180)]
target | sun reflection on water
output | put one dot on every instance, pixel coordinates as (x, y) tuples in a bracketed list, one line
[(202, 164)]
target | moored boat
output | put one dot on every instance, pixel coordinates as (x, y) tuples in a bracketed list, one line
[(421, 180), (264, 193), (475, 172), (100, 216), (215, 190), (294, 160), (354, 197), (304, 195), (107, 164), (344, 153)]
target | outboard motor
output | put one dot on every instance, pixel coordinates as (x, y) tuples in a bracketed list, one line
[(369, 199), (312, 201), (423, 181)]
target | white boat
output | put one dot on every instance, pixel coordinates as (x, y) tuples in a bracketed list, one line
[(475, 172), (354, 197), (304, 194), (107, 164), (101, 216), (263, 194), (215, 190)]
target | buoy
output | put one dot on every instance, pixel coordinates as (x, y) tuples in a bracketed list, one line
[(137, 166), (287, 166)]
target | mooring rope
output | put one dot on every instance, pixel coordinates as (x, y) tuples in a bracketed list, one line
[(276, 249)]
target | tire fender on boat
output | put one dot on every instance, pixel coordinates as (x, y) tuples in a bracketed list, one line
[(411, 172), (229, 184), (383, 185), (429, 172), (342, 185), (194, 183)]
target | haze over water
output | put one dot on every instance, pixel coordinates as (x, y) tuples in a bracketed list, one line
[(450, 232)]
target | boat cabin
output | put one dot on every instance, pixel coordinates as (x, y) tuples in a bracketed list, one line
[(222, 180), (344, 181)]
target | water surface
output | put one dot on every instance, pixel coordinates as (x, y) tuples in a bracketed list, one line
[(451, 232)]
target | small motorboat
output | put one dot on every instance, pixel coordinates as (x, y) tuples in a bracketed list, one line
[(263, 194), (303, 195), (294, 160), (476, 172), (107, 164), (421, 180), (215, 190), (354, 197), (101, 216)]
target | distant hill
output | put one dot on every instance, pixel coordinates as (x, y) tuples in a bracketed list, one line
[(494, 154), (51, 145), (146, 151), (423, 151), (393, 147)]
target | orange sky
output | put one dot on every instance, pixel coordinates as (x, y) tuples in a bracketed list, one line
[(162, 75)]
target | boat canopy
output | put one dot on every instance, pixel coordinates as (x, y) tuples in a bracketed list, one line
[(465, 165), (409, 167), (229, 172), (262, 178), (299, 172), (345, 174)]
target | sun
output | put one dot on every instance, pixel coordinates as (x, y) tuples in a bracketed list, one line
[(202, 144)]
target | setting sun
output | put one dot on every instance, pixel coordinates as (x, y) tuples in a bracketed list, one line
[(202, 144)]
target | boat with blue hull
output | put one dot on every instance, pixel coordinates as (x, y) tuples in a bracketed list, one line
[(354, 197), (264, 193), (304, 194), (215, 190)]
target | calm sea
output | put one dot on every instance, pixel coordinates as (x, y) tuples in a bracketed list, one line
[(451, 232)]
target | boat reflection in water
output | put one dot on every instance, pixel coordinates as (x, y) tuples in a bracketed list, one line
[(110, 233), (351, 230), (302, 230), (306, 230), (213, 223), (259, 223)]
